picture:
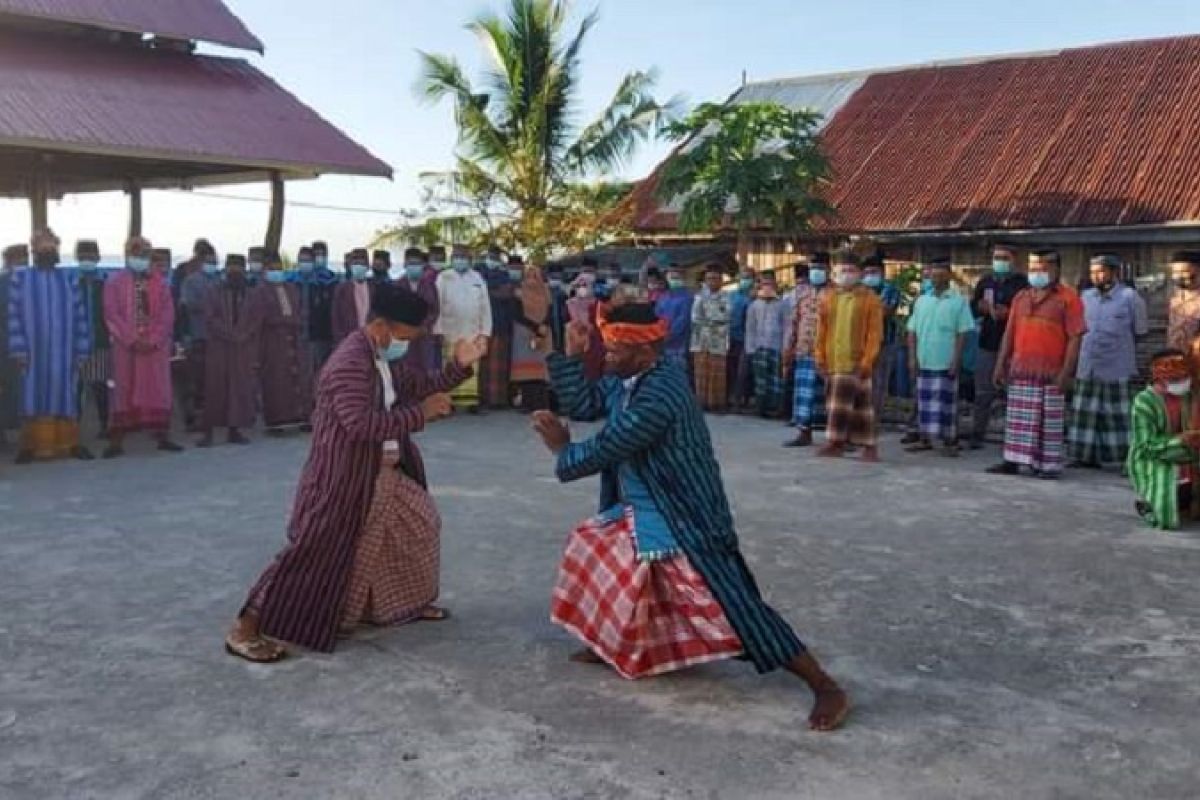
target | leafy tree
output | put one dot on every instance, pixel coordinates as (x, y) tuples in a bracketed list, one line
[(523, 163), (747, 165)]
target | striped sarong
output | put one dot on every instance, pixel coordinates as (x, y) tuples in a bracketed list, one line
[(1099, 431), (642, 617), (97, 367), (808, 401), (397, 558), (710, 384), (768, 383), (851, 412), (937, 405), (1033, 428), (466, 394)]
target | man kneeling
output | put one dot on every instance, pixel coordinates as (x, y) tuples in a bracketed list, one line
[(1163, 456), (655, 582)]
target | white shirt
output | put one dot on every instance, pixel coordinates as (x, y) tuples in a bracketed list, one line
[(389, 397), (464, 310)]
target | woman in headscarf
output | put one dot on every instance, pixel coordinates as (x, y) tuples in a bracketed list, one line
[(531, 340)]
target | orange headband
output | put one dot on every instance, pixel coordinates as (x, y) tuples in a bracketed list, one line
[(1171, 368), (630, 333)]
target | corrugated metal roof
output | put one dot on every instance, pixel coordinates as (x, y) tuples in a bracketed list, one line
[(99, 99), (824, 94), (201, 20), (1097, 136)]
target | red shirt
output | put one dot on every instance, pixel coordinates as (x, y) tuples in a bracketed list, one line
[(1041, 328)]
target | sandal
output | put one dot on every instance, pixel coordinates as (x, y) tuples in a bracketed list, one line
[(258, 650), (434, 614)]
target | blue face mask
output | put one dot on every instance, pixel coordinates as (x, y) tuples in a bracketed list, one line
[(1001, 267), (321, 262), (276, 276), (304, 266), (495, 263), (254, 267), (817, 277), (414, 271), (675, 283), (556, 283), (359, 271), (211, 268), (397, 350), (926, 285), (874, 281), (138, 264), (1039, 280), (516, 275), (746, 284), (461, 265), (88, 266)]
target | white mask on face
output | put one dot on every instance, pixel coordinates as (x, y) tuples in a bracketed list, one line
[(1180, 388)]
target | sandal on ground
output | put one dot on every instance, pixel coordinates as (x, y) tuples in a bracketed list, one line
[(434, 614), (258, 650)]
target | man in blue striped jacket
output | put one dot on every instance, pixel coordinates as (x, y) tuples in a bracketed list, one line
[(655, 581)]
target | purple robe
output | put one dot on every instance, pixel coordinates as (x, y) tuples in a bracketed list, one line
[(300, 595), (424, 352), (345, 311), (285, 364), (232, 322)]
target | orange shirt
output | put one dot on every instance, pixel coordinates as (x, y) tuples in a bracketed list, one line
[(1041, 329)]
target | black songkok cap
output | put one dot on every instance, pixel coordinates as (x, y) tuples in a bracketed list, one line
[(399, 305), (414, 254), (634, 314)]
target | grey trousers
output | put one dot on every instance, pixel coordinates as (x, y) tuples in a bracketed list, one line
[(985, 393)]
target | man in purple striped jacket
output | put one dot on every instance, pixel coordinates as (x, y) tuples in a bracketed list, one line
[(363, 543)]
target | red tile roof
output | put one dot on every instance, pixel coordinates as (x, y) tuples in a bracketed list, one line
[(1097, 136), (132, 102), (201, 20)]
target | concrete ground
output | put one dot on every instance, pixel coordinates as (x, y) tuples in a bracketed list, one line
[(1001, 638)]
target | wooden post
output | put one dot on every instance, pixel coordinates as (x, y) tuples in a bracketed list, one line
[(135, 210), (39, 201), (275, 223)]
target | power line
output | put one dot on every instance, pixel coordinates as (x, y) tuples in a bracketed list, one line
[(394, 212)]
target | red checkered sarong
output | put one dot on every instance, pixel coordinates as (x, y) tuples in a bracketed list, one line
[(397, 559), (642, 617)]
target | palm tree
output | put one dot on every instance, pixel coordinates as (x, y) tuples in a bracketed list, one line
[(520, 149)]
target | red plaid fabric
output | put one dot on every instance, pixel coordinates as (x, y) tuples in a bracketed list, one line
[(397, 560), (642, 617)]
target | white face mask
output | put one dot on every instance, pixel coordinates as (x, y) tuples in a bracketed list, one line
[(1180, 388)]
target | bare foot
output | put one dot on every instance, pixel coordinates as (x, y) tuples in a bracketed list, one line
[(830, 709), (586, 656), (830, 451), (871, 455)]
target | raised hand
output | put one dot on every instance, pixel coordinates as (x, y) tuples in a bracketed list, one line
[(435, 407), (579, 338), (468, 352)]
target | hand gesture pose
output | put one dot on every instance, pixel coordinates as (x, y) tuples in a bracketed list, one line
[(468, 352), (579, 337), (435, 407), (554, 432)]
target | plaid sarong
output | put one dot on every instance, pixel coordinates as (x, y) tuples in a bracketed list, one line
[(851, 412), (397, 557), (1099, 431), (494, 373), (710, 380), (768, 383), (937, 405), (1033, 428), (808, 401), (642, 617)]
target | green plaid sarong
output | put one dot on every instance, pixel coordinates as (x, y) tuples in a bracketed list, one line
[(1099, 430)]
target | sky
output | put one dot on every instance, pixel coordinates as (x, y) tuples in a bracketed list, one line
[(358, 68)]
